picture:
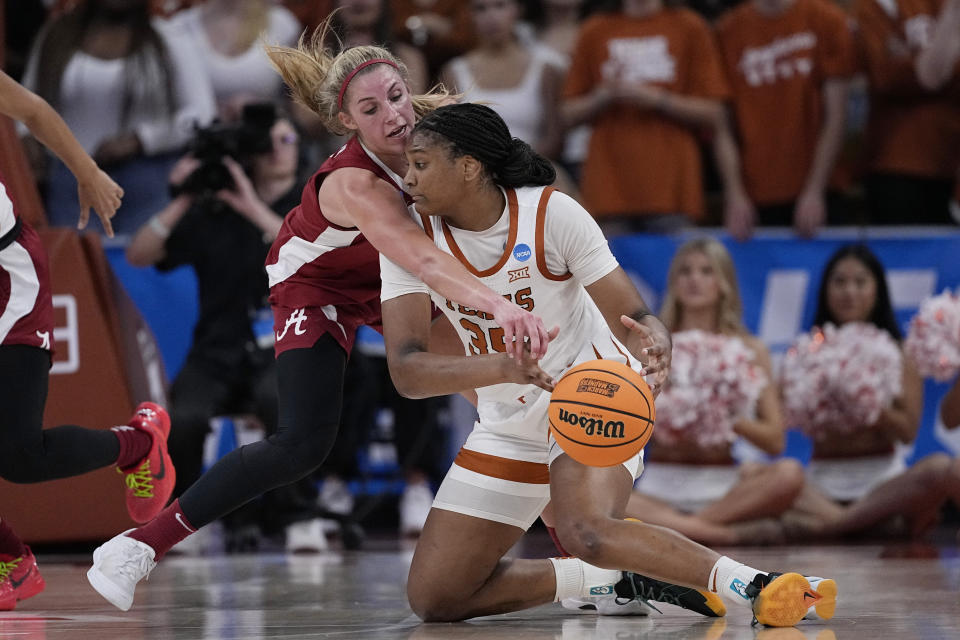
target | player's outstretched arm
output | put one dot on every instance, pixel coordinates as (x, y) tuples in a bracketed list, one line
[(363, 200), (418, 373), (94, 187)]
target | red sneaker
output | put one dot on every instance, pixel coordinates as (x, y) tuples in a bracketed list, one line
[(19, 579), (150, 483)]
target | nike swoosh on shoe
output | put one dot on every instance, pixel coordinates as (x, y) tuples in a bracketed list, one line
[(16, 583)]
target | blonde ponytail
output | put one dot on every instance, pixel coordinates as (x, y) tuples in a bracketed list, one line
[(315, 75)]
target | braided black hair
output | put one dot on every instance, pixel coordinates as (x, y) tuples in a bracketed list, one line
[(475, 130)]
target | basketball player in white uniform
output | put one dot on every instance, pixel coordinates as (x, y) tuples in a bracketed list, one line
[(484, 191)]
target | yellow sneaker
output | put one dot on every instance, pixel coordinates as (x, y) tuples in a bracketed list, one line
[(783, 600)]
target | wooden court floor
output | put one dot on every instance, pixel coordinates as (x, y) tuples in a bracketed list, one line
[(907, 592)]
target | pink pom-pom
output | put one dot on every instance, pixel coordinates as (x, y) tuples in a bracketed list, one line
[(714, 383), (838, 380), (933, 341)]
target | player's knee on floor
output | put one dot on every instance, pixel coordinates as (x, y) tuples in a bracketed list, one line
[(433, 604)]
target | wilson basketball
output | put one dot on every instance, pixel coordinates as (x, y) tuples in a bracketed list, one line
[(601, 413)]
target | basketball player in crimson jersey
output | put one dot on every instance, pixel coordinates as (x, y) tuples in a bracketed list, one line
[(324, 277), (482, 198), (28, 453)]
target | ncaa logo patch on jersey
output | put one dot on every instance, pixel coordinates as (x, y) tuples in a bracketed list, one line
[(522, 252)]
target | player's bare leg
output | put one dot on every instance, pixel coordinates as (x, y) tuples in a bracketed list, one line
[(588, 506), (458, 570)]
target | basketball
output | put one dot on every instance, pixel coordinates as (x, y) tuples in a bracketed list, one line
[(601, 413)]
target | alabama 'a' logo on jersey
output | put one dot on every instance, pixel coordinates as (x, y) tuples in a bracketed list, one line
[(295, 320)]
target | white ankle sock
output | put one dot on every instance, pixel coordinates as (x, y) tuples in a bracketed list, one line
[(729, 579), (577, 578)]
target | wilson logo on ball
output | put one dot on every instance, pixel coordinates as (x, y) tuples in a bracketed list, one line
[(601, 413), (591, 426), (599, 387)]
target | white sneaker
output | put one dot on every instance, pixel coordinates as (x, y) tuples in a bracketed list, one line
[(611, 605), (335, 496), (118, 565), (306, 536), (415, 505)]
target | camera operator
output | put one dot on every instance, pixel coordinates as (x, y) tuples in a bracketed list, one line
[(224, 233)]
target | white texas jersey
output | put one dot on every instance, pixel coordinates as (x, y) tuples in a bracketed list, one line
[(540, 255)]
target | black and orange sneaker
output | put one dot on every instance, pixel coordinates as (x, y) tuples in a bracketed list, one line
[(150, 482), (19, 579), (646, 589), (783, 600)]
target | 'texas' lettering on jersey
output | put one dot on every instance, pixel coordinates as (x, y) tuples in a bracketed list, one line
[(522, 298), (484, 341)]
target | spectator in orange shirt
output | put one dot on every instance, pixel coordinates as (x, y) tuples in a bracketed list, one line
[(789, 63), (913, 134), (647, 78)]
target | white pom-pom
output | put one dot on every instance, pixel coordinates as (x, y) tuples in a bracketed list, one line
[(714, 383), (838, 380), (933, 341)]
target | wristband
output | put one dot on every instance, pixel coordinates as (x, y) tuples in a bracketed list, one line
[(158, 227)]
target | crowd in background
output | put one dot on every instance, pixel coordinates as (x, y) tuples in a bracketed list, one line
[(658, 117), (773, 112)]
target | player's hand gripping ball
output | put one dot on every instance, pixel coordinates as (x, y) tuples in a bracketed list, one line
[(601, 413)]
